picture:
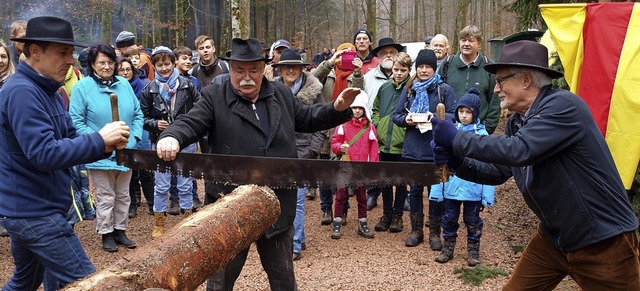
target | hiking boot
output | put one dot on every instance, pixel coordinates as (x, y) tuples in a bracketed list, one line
[(417, 234), (363, 228), (174, 207), (133, 212), (396, 224), (434, 234), (385, 222), (109, 243), (197, 203), (327, 216), (447, 251), (312, 193), (473, 253), (121, 239), (336, 232), (372, 202), (159, 221), (186, 213)]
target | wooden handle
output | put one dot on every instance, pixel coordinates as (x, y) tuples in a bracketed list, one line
[(444, 169), (114, 107)]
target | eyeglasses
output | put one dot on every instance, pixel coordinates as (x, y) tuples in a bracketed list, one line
[(105, 64), (252, 74), (125, 70), (501, 79)]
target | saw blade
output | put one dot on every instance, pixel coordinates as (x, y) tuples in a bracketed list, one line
[(282, 172)]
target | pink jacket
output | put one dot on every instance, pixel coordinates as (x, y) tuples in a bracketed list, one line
[(363, 149)]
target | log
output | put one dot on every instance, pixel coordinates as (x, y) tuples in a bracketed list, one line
[(194, 249)]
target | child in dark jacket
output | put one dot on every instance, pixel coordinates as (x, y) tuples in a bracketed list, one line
[(458, 192), (357, 140)]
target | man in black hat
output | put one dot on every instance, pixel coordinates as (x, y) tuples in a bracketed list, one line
[(41, 145), (246, 114), (560, 161)]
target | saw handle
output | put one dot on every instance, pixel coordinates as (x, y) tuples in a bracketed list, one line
[(115, 116), (444, 169)]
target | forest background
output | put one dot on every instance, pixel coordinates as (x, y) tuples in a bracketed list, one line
[(308, 24)]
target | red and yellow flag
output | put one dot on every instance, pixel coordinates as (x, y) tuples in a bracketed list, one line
[(599, 45)]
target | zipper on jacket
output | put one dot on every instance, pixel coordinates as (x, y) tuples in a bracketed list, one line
[(255, 111)]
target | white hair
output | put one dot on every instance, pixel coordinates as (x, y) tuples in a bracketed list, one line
[(539, 78)]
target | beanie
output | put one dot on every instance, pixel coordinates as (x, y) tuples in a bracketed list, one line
[(162, 49), (427, 57), (470, 100), (125, 39), (362, 30), (346, 45)]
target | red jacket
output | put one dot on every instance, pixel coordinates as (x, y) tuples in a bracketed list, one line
[(363, 149)]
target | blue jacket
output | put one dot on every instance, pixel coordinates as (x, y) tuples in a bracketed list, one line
[(417, 145), (461, 189), (561, 164), (90, 110), (39, 146)]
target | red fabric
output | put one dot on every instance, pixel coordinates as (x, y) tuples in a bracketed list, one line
[(363, 149), (603, 41), (341, 82)]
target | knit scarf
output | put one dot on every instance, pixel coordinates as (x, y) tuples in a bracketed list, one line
[(342, 81), (167, 85), (421, 103)]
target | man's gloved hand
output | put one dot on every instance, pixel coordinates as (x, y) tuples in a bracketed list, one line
[(444, 132), (442, 155)]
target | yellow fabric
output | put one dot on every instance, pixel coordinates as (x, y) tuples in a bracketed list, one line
[(70, 80), (623, 132), (565, 22)]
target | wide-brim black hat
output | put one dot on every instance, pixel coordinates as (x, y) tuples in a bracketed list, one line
[(526, 54), (49, 29), (290, 57), (387, 41), (246, 50)]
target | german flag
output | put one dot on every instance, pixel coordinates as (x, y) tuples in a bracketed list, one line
[(599, 46)]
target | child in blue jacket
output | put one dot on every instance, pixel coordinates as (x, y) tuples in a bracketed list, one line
[(458, 192)]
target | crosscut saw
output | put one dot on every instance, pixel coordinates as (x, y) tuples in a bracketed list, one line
[(282, 172)]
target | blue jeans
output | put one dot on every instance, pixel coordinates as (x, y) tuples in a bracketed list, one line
[(45, 243), (163, 184), (299, 236), (470, 216)]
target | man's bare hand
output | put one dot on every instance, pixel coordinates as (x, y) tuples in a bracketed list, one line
[(162, 125), (345, 98), (115, 136), (167, 148)]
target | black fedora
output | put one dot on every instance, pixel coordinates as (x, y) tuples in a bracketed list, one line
[(290, 57), (526, 54), (49, 29), (387, 41), (246, 50)]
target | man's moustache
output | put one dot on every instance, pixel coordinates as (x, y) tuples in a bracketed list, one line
[(247, 83)]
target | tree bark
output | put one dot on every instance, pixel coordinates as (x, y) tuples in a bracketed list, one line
[(194, 249)]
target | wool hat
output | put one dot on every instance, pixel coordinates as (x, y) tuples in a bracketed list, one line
[(387, 41), (290, 57), (346, 45), (161, 49), (427, 57), (362, 100), (526, 54), (49, 29), (246, 50), (359, 31), (470, 100), (125, 39)]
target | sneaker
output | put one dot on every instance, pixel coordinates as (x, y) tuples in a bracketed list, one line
[(385, 222), (336, 232), (363, 229), (312, 193), (327, 216), (174, 208), (197, 203)]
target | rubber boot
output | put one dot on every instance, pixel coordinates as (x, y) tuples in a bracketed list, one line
[(434, 234), (121, 239), (416, 236), (447, 251), (159, 221), (473, 253), (109, 243)]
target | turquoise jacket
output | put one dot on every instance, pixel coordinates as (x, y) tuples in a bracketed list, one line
[(90, 110), (461, 189)]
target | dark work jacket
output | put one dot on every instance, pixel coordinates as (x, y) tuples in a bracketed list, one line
[(154, 108), (233, 129), (561, 164)]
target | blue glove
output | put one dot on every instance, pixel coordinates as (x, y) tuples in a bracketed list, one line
[(442, 155), (444, 132)]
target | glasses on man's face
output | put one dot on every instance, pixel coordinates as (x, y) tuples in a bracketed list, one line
[(499, 80), (253, 74), (125, 70), (106, 64)]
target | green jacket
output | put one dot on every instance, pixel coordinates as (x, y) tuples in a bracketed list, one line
[(390, 136), (462, 77)]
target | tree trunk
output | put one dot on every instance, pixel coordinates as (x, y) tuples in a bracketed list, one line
[(240, 18), (194, 249), (371, 20)]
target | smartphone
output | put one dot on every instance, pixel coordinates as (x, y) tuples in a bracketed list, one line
[(347, 60)]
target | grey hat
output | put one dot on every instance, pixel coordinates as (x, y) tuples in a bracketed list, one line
[(125, 39)]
